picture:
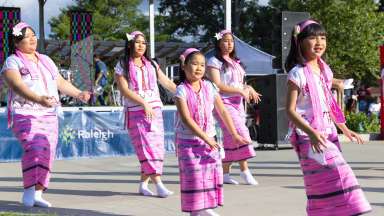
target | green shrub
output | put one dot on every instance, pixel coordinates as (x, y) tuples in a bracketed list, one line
[(362, 123)]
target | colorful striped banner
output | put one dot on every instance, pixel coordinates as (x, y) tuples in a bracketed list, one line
[(9, 16), (81, 40)]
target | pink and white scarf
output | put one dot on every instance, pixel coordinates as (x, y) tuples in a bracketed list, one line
[(193, 101), (151, 78), (335, 111), (28, 69)]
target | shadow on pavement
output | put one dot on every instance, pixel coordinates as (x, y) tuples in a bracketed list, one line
[(9, 206), (72, 192)]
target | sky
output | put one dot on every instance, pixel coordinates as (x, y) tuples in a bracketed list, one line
[(30, 10)]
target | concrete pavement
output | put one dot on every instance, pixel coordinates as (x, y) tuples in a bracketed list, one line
[(108, 186)]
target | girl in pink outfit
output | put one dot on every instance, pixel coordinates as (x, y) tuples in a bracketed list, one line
[(137, 78), (33, 98), (201, 179), (225, 70), (331, 186)]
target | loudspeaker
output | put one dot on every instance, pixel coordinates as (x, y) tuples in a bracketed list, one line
[(273, 126), (288, 20)]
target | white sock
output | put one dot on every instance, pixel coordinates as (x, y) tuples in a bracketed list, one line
[(228, 180), (144, 190), (208, 212), (248, 178), (39, 201), (162, 191), (29, 196)]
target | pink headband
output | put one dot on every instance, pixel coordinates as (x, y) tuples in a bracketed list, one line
[(306, 23), (301, 26), (188, 51), (16, 30), (133, 34), (220, 35)]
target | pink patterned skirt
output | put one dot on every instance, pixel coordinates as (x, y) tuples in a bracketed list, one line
[(201, 175), (38, 137), (147, 138), (330, 184), (234, 151)]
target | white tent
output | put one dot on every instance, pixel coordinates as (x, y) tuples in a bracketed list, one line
[(256, 62)]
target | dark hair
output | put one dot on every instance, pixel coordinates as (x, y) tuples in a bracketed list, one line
[(129, 50), (13, 40), (219, 55), (182, 76), (295, 55)]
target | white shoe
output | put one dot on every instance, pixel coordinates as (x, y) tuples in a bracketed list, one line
[(28, 199), (162, 191), (40, 202), (144, 190), (246, 175), (228, 180)]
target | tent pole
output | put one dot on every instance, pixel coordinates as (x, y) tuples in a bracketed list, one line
[(152, 26), (228, 13)]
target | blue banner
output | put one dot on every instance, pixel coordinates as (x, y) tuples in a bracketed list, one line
[(86, 133)]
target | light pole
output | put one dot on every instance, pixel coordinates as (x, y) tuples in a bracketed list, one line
[(228, 14), (152, 27), (41, 26)]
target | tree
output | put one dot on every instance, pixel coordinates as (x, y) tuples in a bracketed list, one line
[(354, 33), (111, 19), (198, 18), (201, 19)]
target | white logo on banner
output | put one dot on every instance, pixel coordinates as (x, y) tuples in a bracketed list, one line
[(95, 133)]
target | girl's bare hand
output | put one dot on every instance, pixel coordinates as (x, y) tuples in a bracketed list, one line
[(246, 94), (240, 140), (84, 96), (353, 136), (149, 113), (255, 96), (318, 141), (47, 101), (213, 144)]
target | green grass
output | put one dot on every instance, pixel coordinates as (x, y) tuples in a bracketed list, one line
[(22, 214)]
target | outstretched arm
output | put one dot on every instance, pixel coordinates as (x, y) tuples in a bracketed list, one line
[(68, 89), (166, 82), (224, 115), (214, 75)]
